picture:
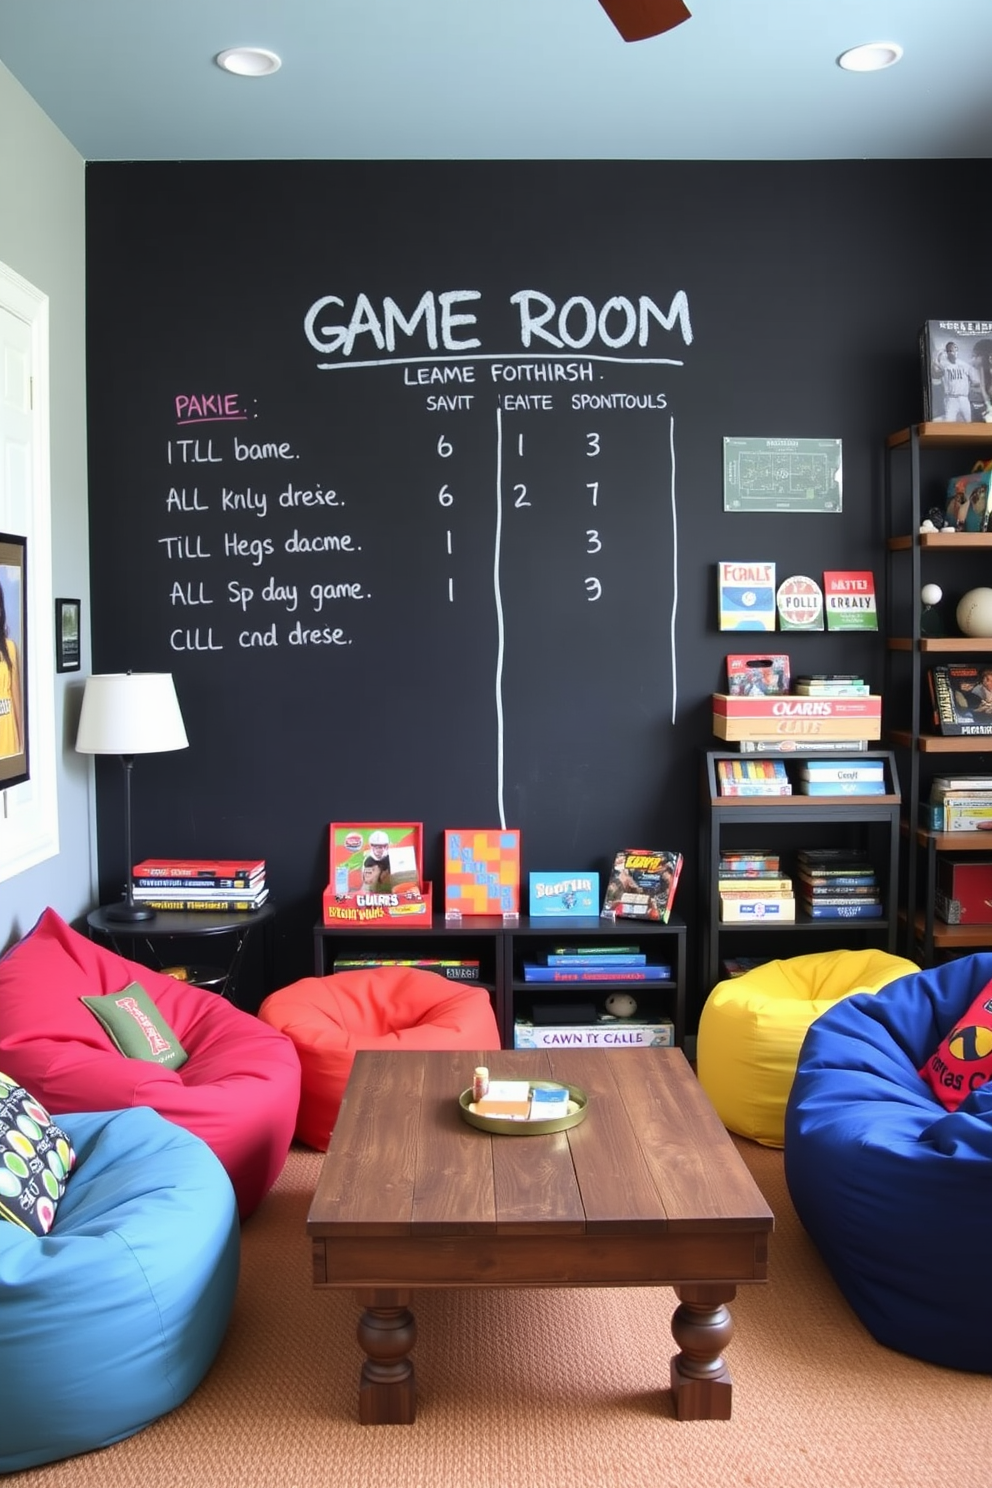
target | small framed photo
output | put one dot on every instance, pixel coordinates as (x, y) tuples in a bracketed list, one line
[(67, 654)]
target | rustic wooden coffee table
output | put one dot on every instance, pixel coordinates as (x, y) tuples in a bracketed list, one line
[(648, 1191)]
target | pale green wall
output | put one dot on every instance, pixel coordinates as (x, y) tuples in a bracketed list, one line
[(42, 218)]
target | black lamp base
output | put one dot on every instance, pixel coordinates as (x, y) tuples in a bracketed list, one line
[(126, 913)]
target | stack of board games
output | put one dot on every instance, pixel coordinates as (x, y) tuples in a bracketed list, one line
[(205, 885), (642, 884), (752, 895), (818, 777), (376, 880), (961, 803), (753, 777), (837, 883)]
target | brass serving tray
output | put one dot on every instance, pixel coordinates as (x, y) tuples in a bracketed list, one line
[(505, 1126)]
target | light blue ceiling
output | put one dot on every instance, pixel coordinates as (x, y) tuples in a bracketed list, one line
[(505, 79)]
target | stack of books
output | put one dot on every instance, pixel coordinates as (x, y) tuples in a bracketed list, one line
[(213, 885), (841, 777), (752, 888), (961, 803), (838, 883), (831, 684), (605, 965), (753, 777)]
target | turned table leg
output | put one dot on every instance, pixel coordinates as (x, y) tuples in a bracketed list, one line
[(702, 1328), (387, 1332)]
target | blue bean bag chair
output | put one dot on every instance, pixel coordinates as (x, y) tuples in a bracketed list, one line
[(894, 1188), (112, 1317)]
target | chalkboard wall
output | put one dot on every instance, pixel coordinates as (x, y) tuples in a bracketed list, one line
[(411, 474)]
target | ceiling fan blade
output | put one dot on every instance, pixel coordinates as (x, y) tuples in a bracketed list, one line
[(636, 20)]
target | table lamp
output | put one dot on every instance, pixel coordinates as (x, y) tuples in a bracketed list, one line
[(129, 713)]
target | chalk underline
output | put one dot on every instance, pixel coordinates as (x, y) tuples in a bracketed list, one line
[(508, 356)]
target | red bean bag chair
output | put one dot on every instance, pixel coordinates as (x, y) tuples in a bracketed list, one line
[(207, 1065), (384, 1007)]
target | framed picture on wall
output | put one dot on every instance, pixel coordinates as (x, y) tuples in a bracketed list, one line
[(67, 635), (14, 753)]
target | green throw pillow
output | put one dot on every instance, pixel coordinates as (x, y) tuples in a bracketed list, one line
[(137, 1027), (36, 1157)]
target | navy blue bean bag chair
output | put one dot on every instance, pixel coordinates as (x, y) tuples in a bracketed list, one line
[(894, 1188), (113, 1316)]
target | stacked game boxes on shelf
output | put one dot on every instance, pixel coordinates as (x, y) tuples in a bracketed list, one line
[(208, 885), (960, 803), (837, 883), (752, 888), (827, 712)]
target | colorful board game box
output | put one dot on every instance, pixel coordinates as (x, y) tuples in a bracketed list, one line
[(375, 857), (563, 894), (482, 871)]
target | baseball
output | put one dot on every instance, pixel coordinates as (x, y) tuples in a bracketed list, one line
[(621, 1005), (974, 613)]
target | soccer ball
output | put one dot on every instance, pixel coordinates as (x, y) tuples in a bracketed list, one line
[(974, 613), (621, 1005)]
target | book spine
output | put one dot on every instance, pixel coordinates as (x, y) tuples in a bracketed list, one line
[(596, 950), (796, 746), (203, 881), (199, 868), (573, 974), (850, 911), (256, 892), (605, 959), (211, 906), (841, 788)]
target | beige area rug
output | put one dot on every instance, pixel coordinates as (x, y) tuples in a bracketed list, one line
[(561, 1389)]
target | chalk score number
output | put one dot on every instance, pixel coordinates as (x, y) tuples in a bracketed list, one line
[(446, 498)]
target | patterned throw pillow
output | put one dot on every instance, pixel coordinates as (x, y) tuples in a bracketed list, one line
[(36, 1158), (963, 1060), (137, 1027)]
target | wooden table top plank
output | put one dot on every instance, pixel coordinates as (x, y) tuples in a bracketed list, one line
[(693, 1162), (366, 1182), (617, 1185), (536, 1190), (454, 1186)]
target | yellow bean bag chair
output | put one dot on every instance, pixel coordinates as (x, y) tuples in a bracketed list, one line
[(752, 1028)]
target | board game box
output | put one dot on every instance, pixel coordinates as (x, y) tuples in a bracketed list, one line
[(642, 884), (482, 871)]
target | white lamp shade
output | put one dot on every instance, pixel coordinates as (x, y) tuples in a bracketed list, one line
[(130, 713)]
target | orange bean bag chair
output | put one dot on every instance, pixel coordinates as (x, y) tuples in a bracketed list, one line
[(385, 1007)]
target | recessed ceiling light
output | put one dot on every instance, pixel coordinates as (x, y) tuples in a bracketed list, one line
[(871, 57), (249, 61)]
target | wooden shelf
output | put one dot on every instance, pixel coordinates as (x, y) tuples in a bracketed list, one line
[(955, 841), (943, 743), (941, 541), (963, 645), (937, 434), (955, 937)]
